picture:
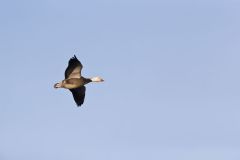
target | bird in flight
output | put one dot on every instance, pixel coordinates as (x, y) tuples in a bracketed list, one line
[(75, 82)]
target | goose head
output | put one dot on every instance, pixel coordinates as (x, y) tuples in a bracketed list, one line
[(59, 85)]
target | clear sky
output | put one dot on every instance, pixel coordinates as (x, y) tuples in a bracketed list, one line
[(171, 70)]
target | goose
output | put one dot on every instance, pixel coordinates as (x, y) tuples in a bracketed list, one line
[(75, 82)]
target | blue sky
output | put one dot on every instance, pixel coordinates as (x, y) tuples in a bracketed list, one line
[(171, 71)]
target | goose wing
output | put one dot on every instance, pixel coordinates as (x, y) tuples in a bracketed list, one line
[(79, 95), (74, 68)]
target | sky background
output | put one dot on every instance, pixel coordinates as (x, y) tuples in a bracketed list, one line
[(171, 71)]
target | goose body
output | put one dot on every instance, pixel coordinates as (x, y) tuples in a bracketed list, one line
[(75, 82)]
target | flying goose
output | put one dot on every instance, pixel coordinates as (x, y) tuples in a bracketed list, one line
[(75, 82)]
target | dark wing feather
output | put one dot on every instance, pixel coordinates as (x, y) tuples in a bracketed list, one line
[(79, 95), (74, 68)]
